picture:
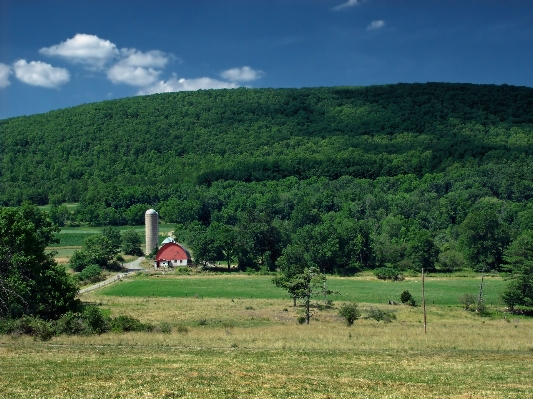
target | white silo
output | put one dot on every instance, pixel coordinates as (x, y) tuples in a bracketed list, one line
[(151, 225)]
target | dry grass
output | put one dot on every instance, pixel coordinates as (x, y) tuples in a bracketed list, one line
[(255, 349)]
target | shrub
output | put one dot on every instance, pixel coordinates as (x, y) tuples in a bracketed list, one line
[(128, 323), (388, 273), (90, 274), (467, 300), (378, 315), (349, 312), (164, 328), (406, 296), (183, 270), (183, 330), (301, 319), (29, 325), (96, 320), (89, 321), (72, 324)]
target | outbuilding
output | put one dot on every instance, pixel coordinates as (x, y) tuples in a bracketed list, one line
[(172, 254)]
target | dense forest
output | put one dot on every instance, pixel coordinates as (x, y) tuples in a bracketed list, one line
[(411, 175)]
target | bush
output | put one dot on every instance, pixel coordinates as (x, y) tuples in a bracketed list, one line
[(29, 325), (72, 324), (183, 330), (96, 320), (406, 296), (127, 324), (164, 328), (182, 270), (79, 261), (90, 274), (388, 273), (301, 319), (468, 300), (378, 315), (89, 321), (349, 312)]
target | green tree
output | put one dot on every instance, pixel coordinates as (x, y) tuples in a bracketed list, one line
[(113, 236), (310, 283), (30, 281), (225, 239), (304, 285), (98, 250), (422, 251), (131, 243), (519, 262), (291, 263), (349, 312), (483, 239)]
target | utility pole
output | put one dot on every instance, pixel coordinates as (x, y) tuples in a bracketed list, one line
[(424, 301), (480, 297)]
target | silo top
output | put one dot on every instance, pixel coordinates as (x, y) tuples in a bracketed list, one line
[(151, 212)]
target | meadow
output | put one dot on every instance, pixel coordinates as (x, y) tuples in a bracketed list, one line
[(241, 346), (439, 290)]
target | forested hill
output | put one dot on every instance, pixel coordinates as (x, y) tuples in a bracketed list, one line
[(248, 135)]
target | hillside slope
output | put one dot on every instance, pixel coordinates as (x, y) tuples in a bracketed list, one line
[(262, 134)]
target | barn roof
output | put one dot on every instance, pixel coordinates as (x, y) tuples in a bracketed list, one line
[(172, 251)]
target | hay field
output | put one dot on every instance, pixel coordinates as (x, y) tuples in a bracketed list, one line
[(253, 348)]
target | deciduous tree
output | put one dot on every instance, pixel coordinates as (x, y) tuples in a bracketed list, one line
[(30, 280)]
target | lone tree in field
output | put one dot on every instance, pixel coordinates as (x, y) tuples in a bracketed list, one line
[(305, 285), (31, 283)]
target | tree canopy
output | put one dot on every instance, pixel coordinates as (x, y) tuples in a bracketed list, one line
[(30, 281)]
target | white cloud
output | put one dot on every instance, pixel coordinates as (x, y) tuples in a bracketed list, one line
[(38, 73), (5, 71), (89, 50), (138, 68), (244, 74), (154, 58), (175, 84), (376, 25), (132, 75), (349, 3)]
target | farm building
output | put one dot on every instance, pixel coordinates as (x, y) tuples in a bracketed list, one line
[(172, 254)]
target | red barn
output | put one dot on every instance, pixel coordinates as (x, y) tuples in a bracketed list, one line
[(172, 254)]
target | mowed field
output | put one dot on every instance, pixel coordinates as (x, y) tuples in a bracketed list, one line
[(250, 346)]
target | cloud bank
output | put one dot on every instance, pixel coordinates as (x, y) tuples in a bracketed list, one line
[(5, 71), (175, 84), (128, 66), (37, 73)]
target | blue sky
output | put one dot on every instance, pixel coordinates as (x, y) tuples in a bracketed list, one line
[(62, 53)]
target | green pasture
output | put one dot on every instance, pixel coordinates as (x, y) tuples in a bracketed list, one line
[(439, 291), (74, 236), (70, 206), (64, 252)]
